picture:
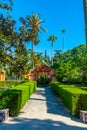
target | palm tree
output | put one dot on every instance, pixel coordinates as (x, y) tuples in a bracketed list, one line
[(34, 28), (34, 25), (63, 32), (52, 38)]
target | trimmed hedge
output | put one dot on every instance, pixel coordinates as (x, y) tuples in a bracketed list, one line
[(15, 98), (74, 98), (26, 90), (9, 84), (11, 99)]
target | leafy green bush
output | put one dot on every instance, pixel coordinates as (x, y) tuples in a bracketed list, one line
[(15, 98), (74, 98)]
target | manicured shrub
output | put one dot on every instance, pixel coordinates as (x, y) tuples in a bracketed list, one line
[(74, 98), (11, 99), (26, 90), (15, 98)]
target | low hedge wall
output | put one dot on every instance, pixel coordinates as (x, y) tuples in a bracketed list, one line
[(11, 99), (15, 98), (74, 98), (26, 90), (9, 84)]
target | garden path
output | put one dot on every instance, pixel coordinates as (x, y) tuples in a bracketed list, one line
[(44, 111)]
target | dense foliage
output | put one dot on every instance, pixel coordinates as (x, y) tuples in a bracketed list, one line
[(71, 66), (43, 80)]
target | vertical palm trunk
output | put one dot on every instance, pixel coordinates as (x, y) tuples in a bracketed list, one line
[(63, 44), (33, 55), (52, 53), (85, 15)]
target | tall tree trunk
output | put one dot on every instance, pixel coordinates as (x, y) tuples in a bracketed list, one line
[(33, 55), (52, 53), (85, 15), (63, 44)]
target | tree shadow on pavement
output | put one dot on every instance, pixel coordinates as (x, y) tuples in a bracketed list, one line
[(36, 124), (54, 104)]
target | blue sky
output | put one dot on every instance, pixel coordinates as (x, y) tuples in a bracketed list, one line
[(57, 15)]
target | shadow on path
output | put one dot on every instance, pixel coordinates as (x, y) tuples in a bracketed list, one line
[(54, 105), (35, 124)]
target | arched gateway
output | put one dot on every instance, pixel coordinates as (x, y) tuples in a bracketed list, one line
[(34, 74)]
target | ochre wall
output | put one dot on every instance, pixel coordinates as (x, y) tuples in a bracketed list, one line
[(2, 76)]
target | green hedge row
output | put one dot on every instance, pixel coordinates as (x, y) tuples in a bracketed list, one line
[(11, 99), (26, 90), (74, 98), (9, 84), (15, 98)]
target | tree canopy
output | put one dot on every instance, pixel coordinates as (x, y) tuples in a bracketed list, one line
[(71, 65)]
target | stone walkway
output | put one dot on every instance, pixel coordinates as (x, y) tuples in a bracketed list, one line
[(43, 112)]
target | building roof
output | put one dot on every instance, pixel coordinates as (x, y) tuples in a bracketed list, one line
[(42, 68), (2, 71)]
